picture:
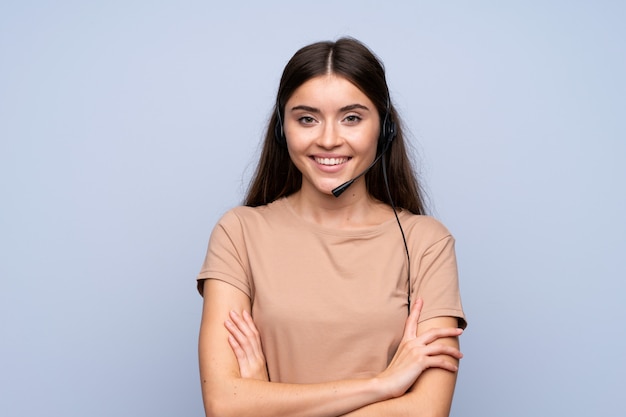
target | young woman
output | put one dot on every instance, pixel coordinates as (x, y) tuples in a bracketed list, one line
[(322, 301)]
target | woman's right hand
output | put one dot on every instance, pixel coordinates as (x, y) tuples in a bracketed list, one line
[(415, 354)]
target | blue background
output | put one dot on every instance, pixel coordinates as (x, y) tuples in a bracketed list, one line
[(128, 127)]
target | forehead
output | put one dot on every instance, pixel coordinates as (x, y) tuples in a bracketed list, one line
[(328, 92)]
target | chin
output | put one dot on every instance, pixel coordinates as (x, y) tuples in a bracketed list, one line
[(326, 189)]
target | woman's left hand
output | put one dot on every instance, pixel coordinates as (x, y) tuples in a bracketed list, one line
[(245, 341)]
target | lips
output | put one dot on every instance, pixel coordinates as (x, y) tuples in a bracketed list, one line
[(331, 161)]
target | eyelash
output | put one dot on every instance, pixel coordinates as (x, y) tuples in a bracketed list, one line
[(353, 118), (307, 120)]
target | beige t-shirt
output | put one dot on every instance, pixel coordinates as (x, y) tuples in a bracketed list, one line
[(331, 304)]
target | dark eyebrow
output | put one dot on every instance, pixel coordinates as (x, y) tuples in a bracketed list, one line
[(353, 107), (305, 108), (341, 110)]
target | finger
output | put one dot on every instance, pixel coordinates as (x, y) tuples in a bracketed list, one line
[(240, 322), (410, 326), (243, 327), (245, 355), (246, 342), (243, 360), (250, 322), (245, 324), (244, 331), (252, 326), (438, 362), (441, 349), (431, 335), (416, 308), (253, 334), (235, 332), (237, 350)]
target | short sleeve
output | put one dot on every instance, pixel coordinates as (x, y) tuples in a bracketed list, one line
[(437, 282), (226, 258)]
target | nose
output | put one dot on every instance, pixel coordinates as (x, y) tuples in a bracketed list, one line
[(329, 136)]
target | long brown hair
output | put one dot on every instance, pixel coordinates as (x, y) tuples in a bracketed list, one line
[(276, 176)]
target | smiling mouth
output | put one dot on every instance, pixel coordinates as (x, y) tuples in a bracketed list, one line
[(331, 161)]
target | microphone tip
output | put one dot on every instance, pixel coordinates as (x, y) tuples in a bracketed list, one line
[(339, 190)]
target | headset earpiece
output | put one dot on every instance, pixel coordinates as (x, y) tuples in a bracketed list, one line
[(279, 133), (388, 128)]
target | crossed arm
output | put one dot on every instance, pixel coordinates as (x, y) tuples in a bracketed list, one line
[(419, 381)]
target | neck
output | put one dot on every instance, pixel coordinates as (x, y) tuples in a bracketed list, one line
[(353, 209)]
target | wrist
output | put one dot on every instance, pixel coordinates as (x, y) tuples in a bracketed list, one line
[(379, 389)]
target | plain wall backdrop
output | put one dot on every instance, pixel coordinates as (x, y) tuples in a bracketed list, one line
[(127, 128)]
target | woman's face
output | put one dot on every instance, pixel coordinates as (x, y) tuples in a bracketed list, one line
[(332, 131)]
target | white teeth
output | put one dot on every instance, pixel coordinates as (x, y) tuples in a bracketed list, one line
[(330, 161)]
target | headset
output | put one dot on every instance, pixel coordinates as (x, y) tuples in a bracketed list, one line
[(387, 128), (279, 133)]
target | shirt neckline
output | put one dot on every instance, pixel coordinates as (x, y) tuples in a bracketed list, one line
[(362, 231)]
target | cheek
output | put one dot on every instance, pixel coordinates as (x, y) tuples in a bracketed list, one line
[(366, 141), (296, 154), (299, 141), (295, 148)]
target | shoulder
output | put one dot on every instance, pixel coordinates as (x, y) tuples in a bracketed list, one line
[(245, 216), (425, 234), (427, 227), (237, 214)]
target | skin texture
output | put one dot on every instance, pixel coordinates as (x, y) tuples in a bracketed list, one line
[(332, 131)]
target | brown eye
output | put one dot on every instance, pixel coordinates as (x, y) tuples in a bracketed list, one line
[(306, 120), (353, 118)]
